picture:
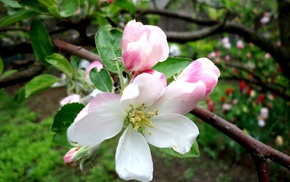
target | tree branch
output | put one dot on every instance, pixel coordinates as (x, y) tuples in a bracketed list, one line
[(198, 21), (182, 37), (76, 50), (22, 76), (259, 151)]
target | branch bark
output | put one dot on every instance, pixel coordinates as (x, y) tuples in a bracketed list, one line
[(76, 50), (259, 151), (22, 76), (183, 37)]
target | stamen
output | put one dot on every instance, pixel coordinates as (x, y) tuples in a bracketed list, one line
[(141, 119)]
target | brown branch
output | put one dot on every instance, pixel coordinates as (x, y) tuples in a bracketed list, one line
[(182, 37), (198, 21), (22, 76), (76, 50), (259, 151), (262, 168)]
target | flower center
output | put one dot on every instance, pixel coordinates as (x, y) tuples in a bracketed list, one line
[(140, 118)]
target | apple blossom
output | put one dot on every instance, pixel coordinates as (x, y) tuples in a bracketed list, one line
[(261, 122), (203, 70), (70, 99), (240, 44), (152, 113), (226, 43), (80, 155), (266, 18), (143, 46), (70, 156)]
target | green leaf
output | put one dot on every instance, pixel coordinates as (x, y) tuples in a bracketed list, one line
[(119, 5), (102, 80), (7, 73), (60, 63), (11, 3), (69, 7), (54, 11), (39, 83), (20, 15), (75, 61), (194, 152), (108, 42), (62, 120), (1, 66), (34, 5), (172, 65), (20, 95), (48, 3), (40, 41)]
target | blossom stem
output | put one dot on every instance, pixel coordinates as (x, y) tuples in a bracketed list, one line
[(120, 78)]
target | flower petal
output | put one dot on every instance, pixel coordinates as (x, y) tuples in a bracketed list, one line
[(172, 131), (203, 70), (179, 97), (133, 157), (143, 46), (101, 119), (144, 89)]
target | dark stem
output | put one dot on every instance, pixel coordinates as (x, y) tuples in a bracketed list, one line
[(76, 50), (262, 168), (255, 147)]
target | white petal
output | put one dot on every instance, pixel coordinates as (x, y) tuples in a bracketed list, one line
[(145, 88), (101, 119), (179, 97), (133, 157), (172, 131)]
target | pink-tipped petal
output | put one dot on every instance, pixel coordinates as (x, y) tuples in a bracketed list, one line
[(144, 89), (143, 46), (179, 97), (101, 119), (96, 64), (172, 131), (133, 157), (70, 99), (203, 70)]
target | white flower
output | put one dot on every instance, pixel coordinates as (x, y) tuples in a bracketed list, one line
[(152, 113)]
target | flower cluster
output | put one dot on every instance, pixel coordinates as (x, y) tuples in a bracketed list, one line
[(150, 110)]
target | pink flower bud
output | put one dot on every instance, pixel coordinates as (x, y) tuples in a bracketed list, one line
[(70, 156), (143, 46), (227, 57), (267, 55), (70, 99), (226, 42), (203, 70), (266, 18), (240, 44), (95, 64)]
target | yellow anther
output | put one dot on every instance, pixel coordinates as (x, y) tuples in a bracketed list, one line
[(140, 118)]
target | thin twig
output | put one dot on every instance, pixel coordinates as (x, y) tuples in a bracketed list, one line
[(22, 76), (76, 50)]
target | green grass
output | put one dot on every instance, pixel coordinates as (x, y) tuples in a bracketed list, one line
[(28, 153)]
